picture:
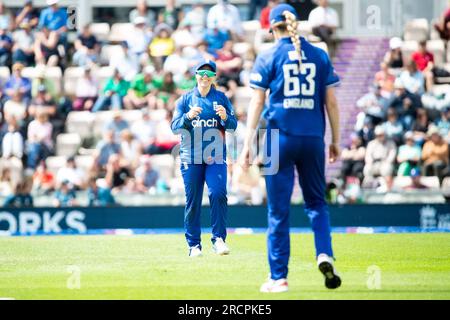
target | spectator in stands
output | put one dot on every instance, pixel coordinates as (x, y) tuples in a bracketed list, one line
[(412, 79), (367, 133), (393, 128), (186, 83), (324, 22), (420, 126), (196, 55), (165, 139), (215, 39), (225, 17), (353, 158), (183, 36), (43, 179), (165, 94), (169, 15), (21, 197), (7, 182), (406, 104), (256, 7), (17, 87), (142, 10), (145, 130), (116, 88), (435, 155), (139, 40), (23, 48), (54, 19), (409, 155), (229, 66), (385, 80), (141, 90), (394, 57), (176, 64), (146, 176), (265, 12), (40, 143), (117, 173), (373, 106), (380, 158), (6, 19), (72, 174), (87, 48), (105, 149), (41, 80), (46, 48), (65, 195), (42, 101), (443, 124), (161, 46), (117, 125), (28, 15), (12, 142), (130, 147), (99, 196), (127, 64), (415, 180), (196, 19), (86, 91), (443, 26), (6, 44), (425, 63)]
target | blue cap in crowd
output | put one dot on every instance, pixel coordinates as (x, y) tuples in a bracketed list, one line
[(415, 172), (276, 14), (210, 63)]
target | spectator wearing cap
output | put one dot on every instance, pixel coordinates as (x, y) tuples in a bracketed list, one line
[(87, 48), (393, 128), (146, 176), (324, 21), (161, 46), (6, 44), (114, 91), (72, 174), (139, 40), (39, 141), (373, 107), (409, 155), (28, 15), (225, 17), (394, 57), (54, 19), (42, 101), (142, 88), (380, 158), (416, 182), (65, 195), (23, 48), (126, 63), (412, 79), (17, 87), (86, 91), (106, 147), (353, 158), (196, 19), (435, 155), (443, 124), (142, 10), (443, 26)]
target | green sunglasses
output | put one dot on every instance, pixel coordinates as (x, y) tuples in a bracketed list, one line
[(207, 73)]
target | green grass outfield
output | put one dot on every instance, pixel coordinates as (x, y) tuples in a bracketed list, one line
[(413, 266)]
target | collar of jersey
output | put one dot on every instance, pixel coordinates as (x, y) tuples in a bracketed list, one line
[(197, 93)]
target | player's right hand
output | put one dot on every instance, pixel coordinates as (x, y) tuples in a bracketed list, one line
[(194, 112), (244, 158), (335, 152)]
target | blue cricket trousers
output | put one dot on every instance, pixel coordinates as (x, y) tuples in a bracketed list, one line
[(195, 176), (307, 155)]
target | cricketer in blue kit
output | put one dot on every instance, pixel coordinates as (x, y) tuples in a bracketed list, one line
[(301, 80), (201, 117)]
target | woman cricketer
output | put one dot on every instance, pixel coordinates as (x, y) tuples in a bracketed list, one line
[(201, 117), (301, 81)]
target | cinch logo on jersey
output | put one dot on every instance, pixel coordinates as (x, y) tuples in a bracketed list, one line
[(210, 123)]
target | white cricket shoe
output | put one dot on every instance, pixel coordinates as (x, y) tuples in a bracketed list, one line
[(220, 247), (275, 286), (326, 265), (195, 252)]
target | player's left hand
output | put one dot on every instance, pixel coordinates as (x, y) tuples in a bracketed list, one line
[(221, 112), (335, 152)]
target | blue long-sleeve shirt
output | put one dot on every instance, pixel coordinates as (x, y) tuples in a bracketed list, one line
[(203, 138)]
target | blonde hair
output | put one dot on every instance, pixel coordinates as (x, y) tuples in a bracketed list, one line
[(291, 25)]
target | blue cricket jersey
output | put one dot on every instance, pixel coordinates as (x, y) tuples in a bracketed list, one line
[(297, 99), (203, 138)]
